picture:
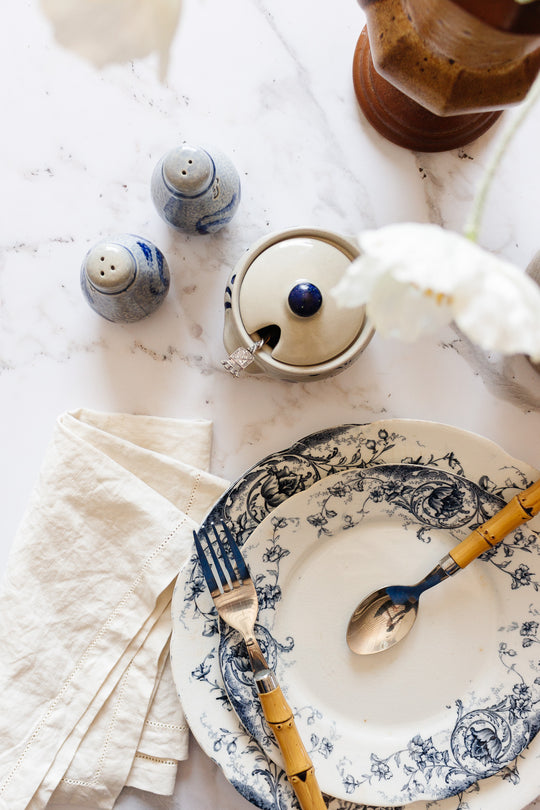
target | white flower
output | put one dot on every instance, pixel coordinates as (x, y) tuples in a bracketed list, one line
[(414, 278), (105, 31)]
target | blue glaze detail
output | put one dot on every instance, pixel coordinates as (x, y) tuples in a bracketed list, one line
[(198, 212), (146, 249), (146, 291), (305, 299), (213, 222)]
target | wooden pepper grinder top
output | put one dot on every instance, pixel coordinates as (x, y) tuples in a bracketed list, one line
[(433, 75)]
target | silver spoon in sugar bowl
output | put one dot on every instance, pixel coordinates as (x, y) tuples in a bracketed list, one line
[(385, 616)]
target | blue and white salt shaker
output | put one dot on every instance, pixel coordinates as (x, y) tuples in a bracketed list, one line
[(124, 278), (194, 190)]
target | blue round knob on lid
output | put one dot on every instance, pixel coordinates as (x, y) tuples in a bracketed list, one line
[(305, 299)]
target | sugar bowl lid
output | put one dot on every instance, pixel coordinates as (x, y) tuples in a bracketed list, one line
[(282, 293)]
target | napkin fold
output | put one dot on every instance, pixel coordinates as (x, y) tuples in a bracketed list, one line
[(87, 699)]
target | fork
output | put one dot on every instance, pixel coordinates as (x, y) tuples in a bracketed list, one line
[(236, 602)]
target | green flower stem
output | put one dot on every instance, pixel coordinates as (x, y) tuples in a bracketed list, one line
[(472, 225)]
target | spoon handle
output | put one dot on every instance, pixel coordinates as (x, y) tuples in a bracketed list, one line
[(521, 508)]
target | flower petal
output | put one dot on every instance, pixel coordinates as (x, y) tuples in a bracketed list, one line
[(358, 282), (501, 312), (416, 277), (425, 254), (105, 31), (403, 311)]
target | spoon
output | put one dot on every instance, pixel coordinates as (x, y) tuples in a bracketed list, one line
[(385, 616)]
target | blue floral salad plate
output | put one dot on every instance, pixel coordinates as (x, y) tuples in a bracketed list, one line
[(448, 717)]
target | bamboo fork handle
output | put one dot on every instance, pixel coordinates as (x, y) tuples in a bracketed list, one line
[(521, 508), (298, 765)]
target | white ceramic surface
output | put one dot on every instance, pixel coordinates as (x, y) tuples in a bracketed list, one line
[(368, 719), (195, 190), (269, 280), (78, 147), (217, 675), (258, 306)]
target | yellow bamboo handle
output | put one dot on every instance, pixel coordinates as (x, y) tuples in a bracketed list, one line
[(298, 765), (521, 508)]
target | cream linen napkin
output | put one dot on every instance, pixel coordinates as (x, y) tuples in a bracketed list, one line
[(87, 700)]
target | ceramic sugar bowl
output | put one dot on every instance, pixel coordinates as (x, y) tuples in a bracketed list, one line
[(280, 318), (195, 190), (124, 278)]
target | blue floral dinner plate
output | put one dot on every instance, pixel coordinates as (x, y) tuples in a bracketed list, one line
[(454, 702), (414, 748)]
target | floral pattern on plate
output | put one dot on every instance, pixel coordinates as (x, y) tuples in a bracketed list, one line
[(195, 639), (481, 731)]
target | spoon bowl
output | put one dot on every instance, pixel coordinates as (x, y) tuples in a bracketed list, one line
[(378, 623), (386, 616)]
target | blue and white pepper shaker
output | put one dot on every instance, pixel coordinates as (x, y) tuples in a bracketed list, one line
[(195, 190), (124, 278)]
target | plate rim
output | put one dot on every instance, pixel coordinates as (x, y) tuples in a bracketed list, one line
[(460, 521), (415, 434)]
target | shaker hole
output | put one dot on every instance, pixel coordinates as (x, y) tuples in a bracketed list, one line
[(103, 258), (190, 161), (112, 267), (184, 171)]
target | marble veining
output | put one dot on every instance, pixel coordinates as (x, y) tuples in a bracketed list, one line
[(274, 92)]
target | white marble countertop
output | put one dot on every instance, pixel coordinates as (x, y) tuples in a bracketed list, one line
[(270, 84)]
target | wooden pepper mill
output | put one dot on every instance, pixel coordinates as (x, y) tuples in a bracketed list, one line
[(433, 75)]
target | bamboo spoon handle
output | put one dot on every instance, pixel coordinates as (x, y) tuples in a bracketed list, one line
[(521, 508)]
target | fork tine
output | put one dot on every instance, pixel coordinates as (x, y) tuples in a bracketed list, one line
[(225, 557), (225, 583), (206, 569), (242, 567)]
